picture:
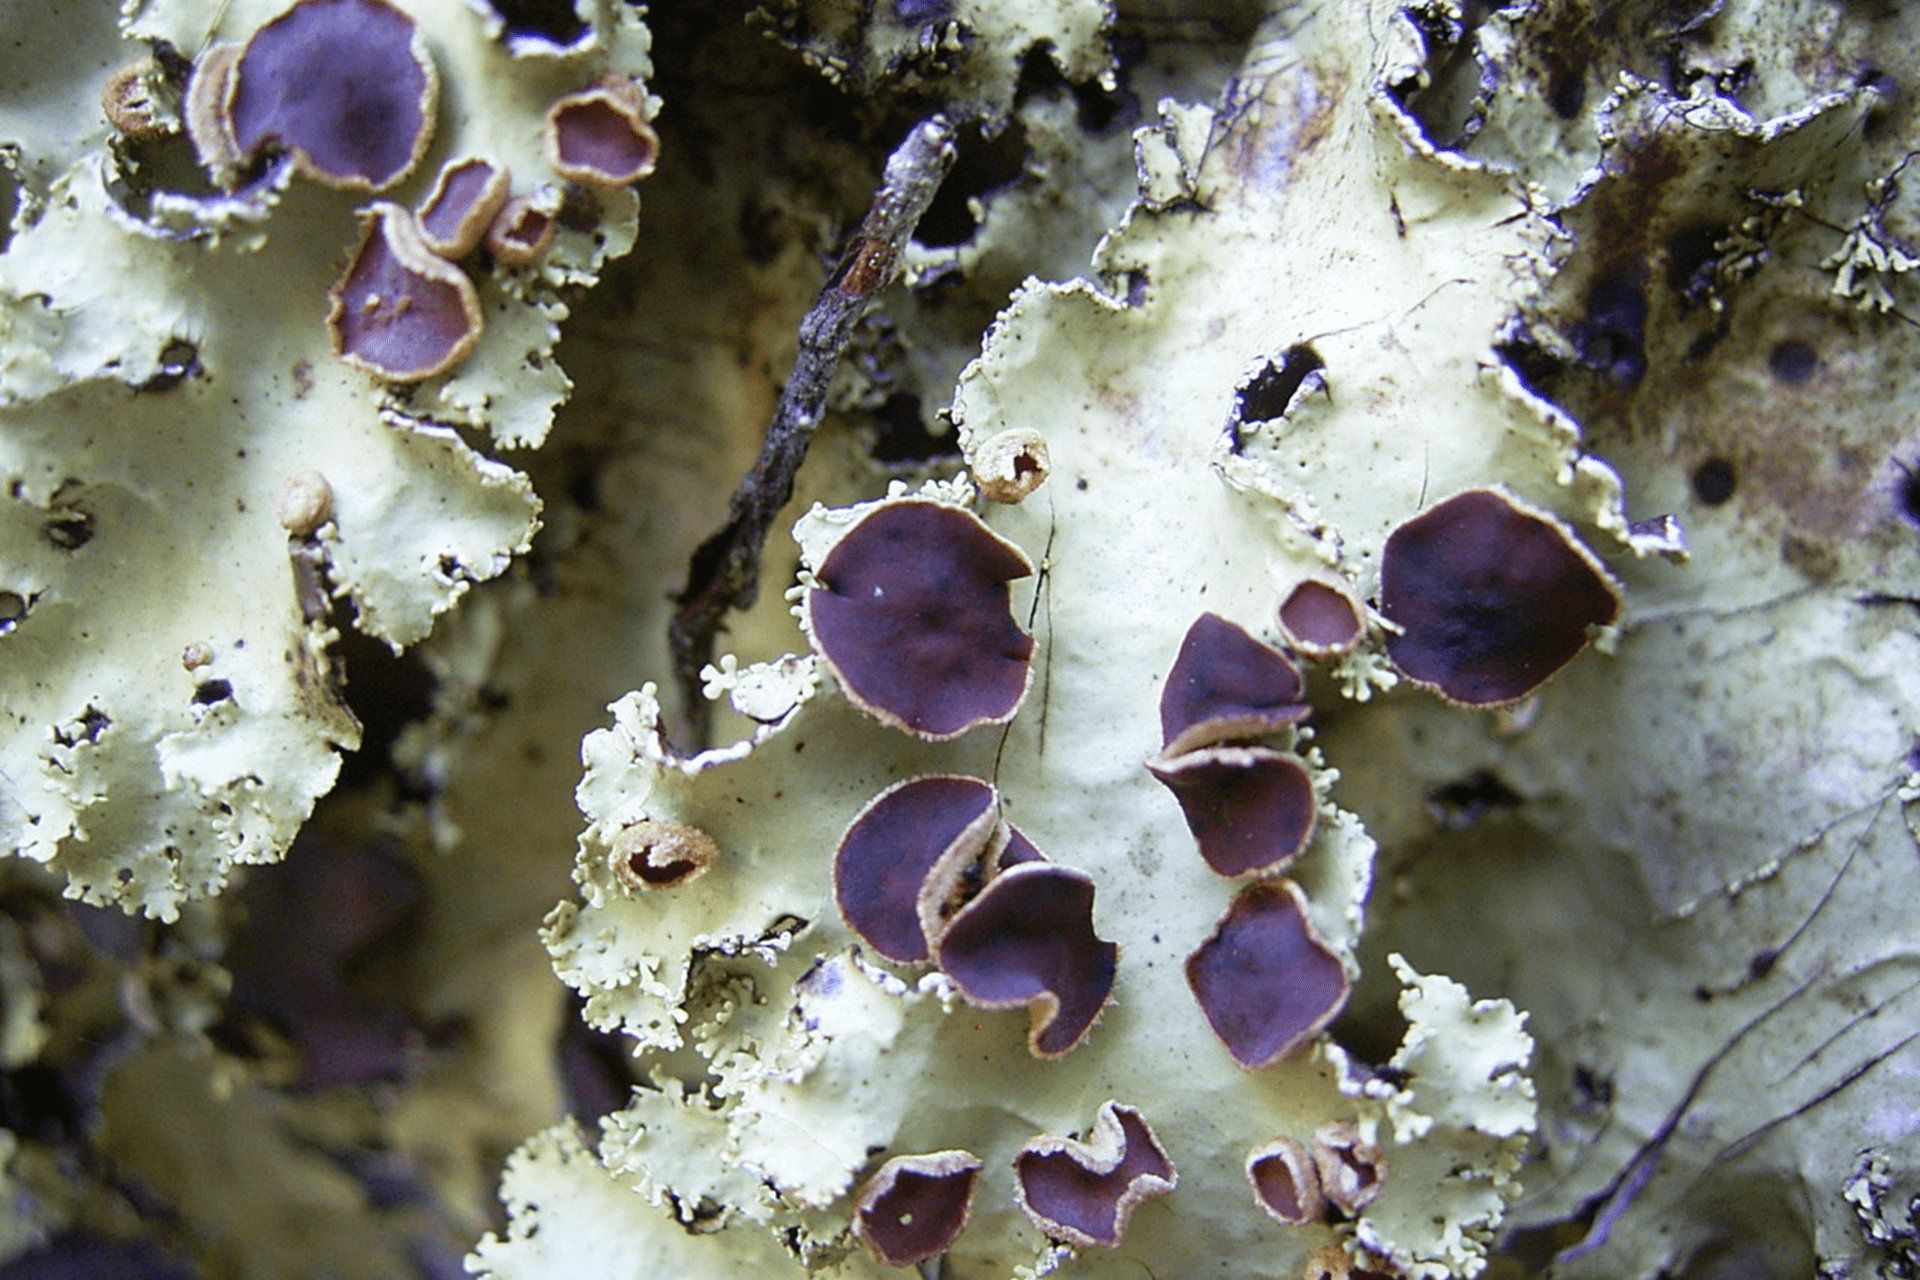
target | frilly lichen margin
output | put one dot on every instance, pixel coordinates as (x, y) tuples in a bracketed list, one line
[(156, 393), (1114, 592)]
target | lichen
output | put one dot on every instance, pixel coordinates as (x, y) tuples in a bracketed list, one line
[(162, 382), (1426, 383), (1116, 592), (1631, 968)]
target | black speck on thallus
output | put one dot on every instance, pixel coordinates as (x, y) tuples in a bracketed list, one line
[(1612, 338), (212, 691), (69, 530), (1792, 362), (1714, 481), (1909, 491)]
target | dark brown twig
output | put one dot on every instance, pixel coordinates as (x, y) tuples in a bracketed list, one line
[(725, 572)]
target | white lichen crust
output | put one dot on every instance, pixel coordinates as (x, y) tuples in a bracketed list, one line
[(1454, 1133), (1154, 513), (1650, 268), (971, 49), (161, 384)]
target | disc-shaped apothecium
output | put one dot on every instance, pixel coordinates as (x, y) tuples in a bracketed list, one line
[(466, 196), (345, 86), (913, 615), (915, 1207), (1322, 617), (1225, 684), (1028, 940), (1250, 808), (1084, 1192), (1266, 980), (600, 135), (1285, 1182), (1490, 597), (901, 855), (402, 312)]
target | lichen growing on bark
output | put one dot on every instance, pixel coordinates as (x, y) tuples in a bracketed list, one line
[(173, 707), (1268, 281)]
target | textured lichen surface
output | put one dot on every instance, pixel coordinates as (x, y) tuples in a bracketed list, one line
[(172, 664), (1465, 325), (1109, 368), (166, 375), (1632, 957)]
